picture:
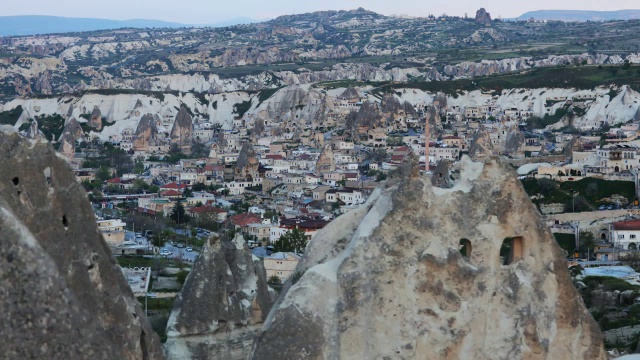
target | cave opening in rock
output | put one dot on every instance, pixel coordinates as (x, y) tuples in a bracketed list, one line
[(465, 248), (512, 250)]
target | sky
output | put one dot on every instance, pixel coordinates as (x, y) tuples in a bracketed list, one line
[(210, 11)]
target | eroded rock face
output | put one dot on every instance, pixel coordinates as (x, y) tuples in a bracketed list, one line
[(146, 133), (481, 145), (182, 130), (72, 131), (389, 280), (514, 143), (326, 162), (221, 306), (483, 17), (61, 293), (96, 118)]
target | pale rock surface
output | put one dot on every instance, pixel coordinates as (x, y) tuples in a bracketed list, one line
[(388, 280), (62, 296), (181, 133), (222, 305)]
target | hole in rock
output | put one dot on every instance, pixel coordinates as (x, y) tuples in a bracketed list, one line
[(16, 181), (465, 248), (512, 250), (65, 222)]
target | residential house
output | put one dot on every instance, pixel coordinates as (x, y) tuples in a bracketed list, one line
[(112, 231), (281, 264), (208, 212), (625, 235)]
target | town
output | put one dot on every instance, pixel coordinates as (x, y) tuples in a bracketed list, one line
[(322, 182)]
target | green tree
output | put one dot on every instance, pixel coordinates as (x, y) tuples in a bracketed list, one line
[(587, 241), (274, 279), (292, 241), (138, 167), (158, 241), (198, 149), (103, 174), (140, 184), (199, 187), (178, 214)]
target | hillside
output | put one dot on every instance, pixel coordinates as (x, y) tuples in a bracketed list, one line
[(355, 45), (581, 15)]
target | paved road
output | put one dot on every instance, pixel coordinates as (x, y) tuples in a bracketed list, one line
[(181, 253)]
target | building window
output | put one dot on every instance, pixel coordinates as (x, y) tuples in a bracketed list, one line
[(620, 237), (633, 236)]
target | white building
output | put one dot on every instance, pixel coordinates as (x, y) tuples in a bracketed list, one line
[(282, 265), (625, 235), (112, 231)]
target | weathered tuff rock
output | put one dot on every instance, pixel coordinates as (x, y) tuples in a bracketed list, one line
[(514, 142), (146, 133), (483, 17), (61, 293), (96, 118), (388, 280), (72, 131), (182, 130), (481, 145), (221, 306), (246, 167), (326, 163), (33, 133)]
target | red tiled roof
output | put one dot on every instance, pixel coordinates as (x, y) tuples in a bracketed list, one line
[(114, 181), (274, 156), (171, 192), (245, 219), (173, 185), (627, 225), (207, 209)]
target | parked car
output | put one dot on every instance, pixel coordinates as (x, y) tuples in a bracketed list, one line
[(180, 245), (188, 249)]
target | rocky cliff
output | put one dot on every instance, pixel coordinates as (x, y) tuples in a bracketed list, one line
[(221, 306), (61, 294), (146, 133), (181, 133), (421, 272)]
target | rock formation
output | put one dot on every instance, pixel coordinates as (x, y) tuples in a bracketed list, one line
[(70, 134), (481, 145), (246, 167), (421, 272), (326, 162), (146, 133), (483, 17), (514, 143), (33, 133), (349, 94), (96, 118), (441, 176), (221, 306), (61, 294), (181, 132)]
